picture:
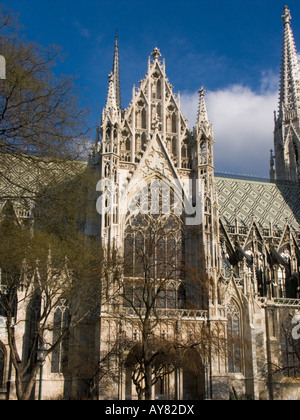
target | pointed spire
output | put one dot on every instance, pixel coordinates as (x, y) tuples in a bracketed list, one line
[(116, 73), (287, 122), (204, 132), (202, 111), (290, 72)]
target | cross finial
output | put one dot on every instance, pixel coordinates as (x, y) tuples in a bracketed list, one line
[(286, 17), (156, 53)]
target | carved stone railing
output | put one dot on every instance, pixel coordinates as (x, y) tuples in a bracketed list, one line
[(283, 302), (177, 314), (261, 300), (286, 302), (191, 314)]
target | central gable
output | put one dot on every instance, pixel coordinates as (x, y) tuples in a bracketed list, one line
[(155, 106), (155, 164)]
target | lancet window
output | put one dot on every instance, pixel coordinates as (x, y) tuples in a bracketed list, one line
[(234, 338)]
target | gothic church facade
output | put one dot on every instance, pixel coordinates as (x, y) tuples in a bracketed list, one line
[(249, 238), (247, 241)]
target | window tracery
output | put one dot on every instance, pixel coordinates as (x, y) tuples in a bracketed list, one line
[(60, 338), (234, 338)]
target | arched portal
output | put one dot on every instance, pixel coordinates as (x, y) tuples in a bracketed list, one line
[(162, 365), (132, 379), (193, 376)]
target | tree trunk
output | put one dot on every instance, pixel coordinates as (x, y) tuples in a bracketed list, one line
[(146, 355), (31, 382), (148, 382), (24, 393)]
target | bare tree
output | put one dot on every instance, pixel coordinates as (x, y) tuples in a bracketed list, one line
[(49, 287), (39, 112), (156, 287), (291, 347), (286, 361)]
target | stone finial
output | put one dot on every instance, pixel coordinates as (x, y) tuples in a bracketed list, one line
[(156, 54), (286, 17), (202, 91)]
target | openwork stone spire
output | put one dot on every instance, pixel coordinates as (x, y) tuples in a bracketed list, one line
[(290, 72), (287, 123), (112, 108), (116, 73)]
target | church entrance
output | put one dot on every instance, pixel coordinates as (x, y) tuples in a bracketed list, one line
[(193, 376)]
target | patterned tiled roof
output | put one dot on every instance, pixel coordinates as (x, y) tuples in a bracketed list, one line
[(22, 177), (263, 201)]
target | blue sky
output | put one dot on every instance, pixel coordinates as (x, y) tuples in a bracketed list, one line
[(231, 47)]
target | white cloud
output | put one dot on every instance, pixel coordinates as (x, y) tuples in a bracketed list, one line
[(243, 123), (82, 30)]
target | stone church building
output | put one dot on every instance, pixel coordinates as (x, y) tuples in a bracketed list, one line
[(245, 240)]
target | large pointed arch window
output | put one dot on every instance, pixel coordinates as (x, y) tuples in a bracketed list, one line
[(153, 250), (234, 338), (60, 338), (30, 344)]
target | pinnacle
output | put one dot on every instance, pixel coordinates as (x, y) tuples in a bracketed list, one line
[(156, 54), (286, 17), (111, 96), (202, 111)]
